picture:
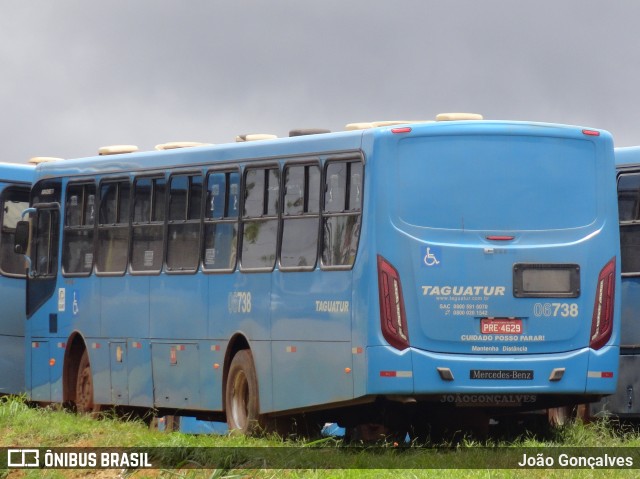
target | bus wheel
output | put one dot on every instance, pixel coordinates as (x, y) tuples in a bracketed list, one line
[(241, 395), (84, 387), (560, 416)]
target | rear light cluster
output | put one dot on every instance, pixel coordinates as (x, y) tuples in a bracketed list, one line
[(602, 322), (393, 319)]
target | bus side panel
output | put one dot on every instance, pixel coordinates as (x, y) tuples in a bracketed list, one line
[(12, 364), (128, 322), (175, 375), (178, 307), (178, 310), (12, 343), (118, 369), (125, 306), (240, 307), (140, 374), (99, 358), (311, 325), (40, 371), (211, 362), (82, 307), (308, 373)]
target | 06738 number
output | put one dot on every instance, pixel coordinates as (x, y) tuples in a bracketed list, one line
[(239, 302), (553, 310)]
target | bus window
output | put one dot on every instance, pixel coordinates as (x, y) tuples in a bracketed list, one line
[(77, 245), (260, 222), (46, 245), (14, 202), (148, 225), (221, 221), (185, 202), (113, 227), (628, 202), (300, 218), (342, 206)]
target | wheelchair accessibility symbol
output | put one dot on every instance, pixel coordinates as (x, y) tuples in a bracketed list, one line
[(431, 257)]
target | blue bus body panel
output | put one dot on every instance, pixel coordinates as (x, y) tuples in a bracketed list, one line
[(311, 319), (12, 293), (432, 200), (550, 191), (626, 400)]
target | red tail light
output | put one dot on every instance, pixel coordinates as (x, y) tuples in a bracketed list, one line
[(393, 319), (602, 322)]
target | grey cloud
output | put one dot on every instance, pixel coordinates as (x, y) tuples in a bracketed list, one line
[(77, 75)]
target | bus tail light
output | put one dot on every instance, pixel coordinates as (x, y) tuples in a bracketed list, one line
[(602, 322), (393, 319)]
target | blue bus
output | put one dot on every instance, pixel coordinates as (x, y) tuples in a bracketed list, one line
[(363, 276), (15, 183), (626, 401)]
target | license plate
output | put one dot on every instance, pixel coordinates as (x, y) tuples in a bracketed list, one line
[(500, 326)]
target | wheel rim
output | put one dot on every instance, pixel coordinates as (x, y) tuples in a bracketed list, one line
[(240, 401), (84, 400)]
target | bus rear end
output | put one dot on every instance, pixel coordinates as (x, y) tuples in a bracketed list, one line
[(497, 254)]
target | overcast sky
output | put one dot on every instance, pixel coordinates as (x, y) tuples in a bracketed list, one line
[(80, 74)]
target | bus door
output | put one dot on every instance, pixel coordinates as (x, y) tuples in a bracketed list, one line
[(42, 300)]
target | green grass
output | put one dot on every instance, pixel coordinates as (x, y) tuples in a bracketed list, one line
[(24, 426)]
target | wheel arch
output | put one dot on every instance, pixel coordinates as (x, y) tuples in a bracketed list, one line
[(76, 345)]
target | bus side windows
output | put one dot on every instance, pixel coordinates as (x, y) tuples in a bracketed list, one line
[(341, 213), (113, 227), (14, 202), (77, 245), (148, 225), (221, 221), (300, 218), (629, 214), (260, 218), (183, 240)]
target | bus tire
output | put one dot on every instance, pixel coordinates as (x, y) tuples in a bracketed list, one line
[(241, 394), (561, 416), (84, 387)]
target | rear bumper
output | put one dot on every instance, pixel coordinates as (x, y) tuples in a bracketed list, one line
[(416, 372)]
